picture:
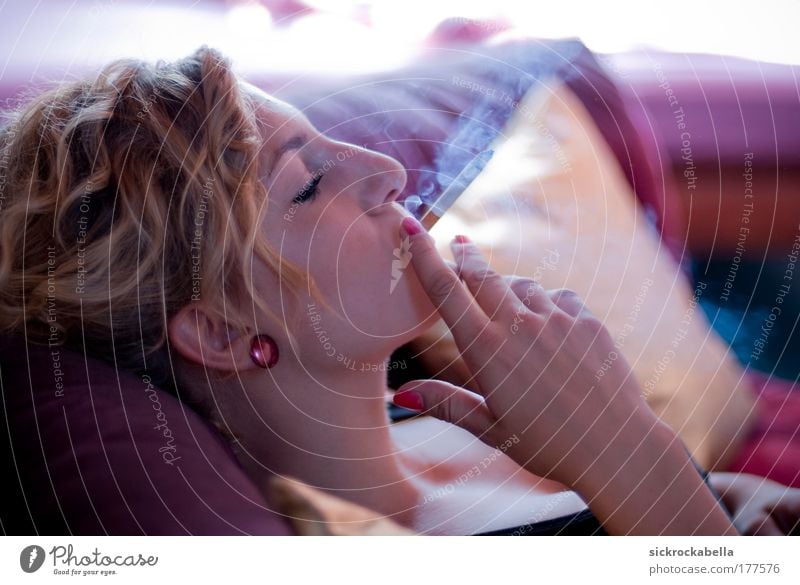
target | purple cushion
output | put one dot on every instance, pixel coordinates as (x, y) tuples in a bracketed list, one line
[(91, 450)]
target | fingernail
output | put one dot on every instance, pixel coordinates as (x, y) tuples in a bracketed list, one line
[(409, 399), (461, 239), (410, 225)]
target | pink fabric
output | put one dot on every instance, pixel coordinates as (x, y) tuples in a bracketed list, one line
[(772, 448), (731, 105)]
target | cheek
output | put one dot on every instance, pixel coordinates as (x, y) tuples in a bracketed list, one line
[(363, 266), (378, 288)]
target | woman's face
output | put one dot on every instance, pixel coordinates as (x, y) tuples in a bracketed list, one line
[(331, 209)]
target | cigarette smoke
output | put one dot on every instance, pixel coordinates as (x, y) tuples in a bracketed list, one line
[(499, 79)]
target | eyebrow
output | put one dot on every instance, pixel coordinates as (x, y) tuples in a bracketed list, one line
[(294, 143)]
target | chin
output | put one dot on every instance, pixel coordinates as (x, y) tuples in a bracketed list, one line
[(425, 320), (414, 321)]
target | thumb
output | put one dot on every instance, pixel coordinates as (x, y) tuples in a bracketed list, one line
[(449, 403)]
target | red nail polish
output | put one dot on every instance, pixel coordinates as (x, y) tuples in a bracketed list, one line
[(461, 239), (409, 399), (410, 225)]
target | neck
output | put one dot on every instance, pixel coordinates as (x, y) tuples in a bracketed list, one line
[(331, 431)]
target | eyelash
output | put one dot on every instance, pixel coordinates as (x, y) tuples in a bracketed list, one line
[(309, 191)]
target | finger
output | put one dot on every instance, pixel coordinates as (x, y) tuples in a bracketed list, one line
[(439, 356), (455, 304), (535, 300), (568, 301), (521, 285), (448, 403), (492, 291), (532, 294)]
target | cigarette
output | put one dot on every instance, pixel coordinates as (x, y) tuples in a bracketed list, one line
[(430, 212)]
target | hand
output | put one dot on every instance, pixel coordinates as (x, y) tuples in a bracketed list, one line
[(549, 398), (758, 505), (538, 363)]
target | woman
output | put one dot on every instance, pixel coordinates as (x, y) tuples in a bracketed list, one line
[(186, 225)]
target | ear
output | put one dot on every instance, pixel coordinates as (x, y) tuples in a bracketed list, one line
[(203, 339)]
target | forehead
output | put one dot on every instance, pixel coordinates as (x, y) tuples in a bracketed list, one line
[(278, 122), (273, 114)]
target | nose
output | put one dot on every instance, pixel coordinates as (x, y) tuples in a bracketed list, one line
[(380, 179)]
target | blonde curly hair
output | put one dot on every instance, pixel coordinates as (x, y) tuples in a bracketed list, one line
[(126, 197)]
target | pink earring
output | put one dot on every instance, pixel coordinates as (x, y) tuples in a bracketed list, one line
[(257, 347)]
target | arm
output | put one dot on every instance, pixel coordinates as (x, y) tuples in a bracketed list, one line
[(657, 491)]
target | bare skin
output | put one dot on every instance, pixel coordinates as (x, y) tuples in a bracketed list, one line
[(597, 436), (313, 417)]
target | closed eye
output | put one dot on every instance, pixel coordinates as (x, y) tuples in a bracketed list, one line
[(309, 190)]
